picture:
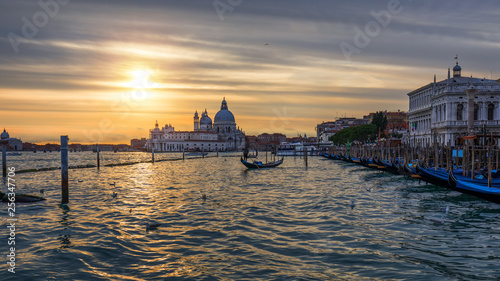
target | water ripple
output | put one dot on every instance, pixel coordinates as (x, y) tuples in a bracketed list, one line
[(288, 223)]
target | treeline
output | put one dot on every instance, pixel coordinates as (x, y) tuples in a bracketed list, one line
[(361, 133)]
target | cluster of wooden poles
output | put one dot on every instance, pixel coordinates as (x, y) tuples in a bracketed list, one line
[(472, 159)]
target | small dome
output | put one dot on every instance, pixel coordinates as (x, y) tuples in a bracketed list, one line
[(4, 135), (457, 68), (205, 120)]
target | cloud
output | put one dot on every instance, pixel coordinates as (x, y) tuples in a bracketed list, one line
[(263, 55)]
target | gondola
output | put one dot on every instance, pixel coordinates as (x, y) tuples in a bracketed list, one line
[(260, 165), (355, 160), (333, 157), (380, 164), (324, 155), (401, 168), (391, 167), (410, 170), (478, 189), (437, 177)]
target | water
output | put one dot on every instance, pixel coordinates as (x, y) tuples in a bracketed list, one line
[(287, 223), (39, 160)]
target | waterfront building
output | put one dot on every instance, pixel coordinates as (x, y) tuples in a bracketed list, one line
[(327, 129), (138, 144), (267, 141), (396, 120), (220, 135), (439, 111), (251, 142), (12, 143)]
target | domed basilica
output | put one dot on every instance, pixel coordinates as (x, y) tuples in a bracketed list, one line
[(221, 135)]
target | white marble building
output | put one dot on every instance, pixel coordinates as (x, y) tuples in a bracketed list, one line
[(439, 110), (222, 135), (12, 143)]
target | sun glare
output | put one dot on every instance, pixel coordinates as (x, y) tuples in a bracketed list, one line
[(141, 79)]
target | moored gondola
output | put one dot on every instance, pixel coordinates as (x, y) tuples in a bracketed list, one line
[(437, 177), (260, 165), (476, 188)]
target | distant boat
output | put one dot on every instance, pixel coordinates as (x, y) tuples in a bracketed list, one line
[(260, 165), (14, 154)]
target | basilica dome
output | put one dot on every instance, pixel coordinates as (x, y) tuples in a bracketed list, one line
[(4, 135), (224, 115)]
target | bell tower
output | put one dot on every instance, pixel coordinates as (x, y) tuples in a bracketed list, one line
[(196, 121), (457, 70)]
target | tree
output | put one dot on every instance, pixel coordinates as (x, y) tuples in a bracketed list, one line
[(361, 133), (341, 137), (380, 121)]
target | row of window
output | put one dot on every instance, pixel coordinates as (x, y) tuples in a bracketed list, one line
[(180, 146), (491, 112), (420, 100)]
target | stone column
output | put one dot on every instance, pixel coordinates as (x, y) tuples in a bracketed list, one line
[(496, 112), (485, 111), (471, 93)]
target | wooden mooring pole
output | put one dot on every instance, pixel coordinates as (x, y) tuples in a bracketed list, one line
[(98, 157), (153, 154), (473, 161), (489, 165), (4, 160), (305, 155), (64, 170), (496, 168)]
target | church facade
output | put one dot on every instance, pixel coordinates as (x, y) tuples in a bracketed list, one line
[(220, 135), (12, 143), (440, 111)]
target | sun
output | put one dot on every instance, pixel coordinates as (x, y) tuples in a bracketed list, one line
[(141, 79)]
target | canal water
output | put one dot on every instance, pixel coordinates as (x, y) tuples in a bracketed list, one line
[(330, 221)]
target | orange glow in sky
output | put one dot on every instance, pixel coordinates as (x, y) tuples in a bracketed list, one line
[(106, 72)]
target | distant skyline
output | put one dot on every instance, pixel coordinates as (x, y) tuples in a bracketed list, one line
[(107, 70)]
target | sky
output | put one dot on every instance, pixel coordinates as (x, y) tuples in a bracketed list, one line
[(106, 71)]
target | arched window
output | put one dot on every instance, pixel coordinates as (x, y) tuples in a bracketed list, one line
[(491, 110), (460, 111), (476, 111)]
